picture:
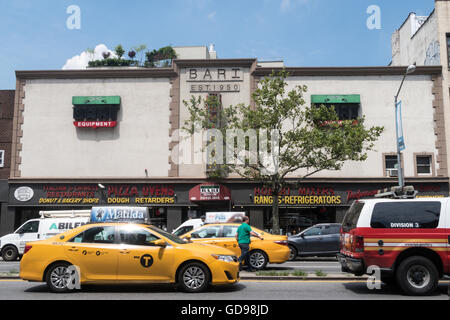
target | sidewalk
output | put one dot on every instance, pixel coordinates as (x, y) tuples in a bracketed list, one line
[(292, 275)]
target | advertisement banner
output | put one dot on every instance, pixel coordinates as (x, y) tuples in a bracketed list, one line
[(399, 126)]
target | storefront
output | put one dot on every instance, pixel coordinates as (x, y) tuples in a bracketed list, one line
[(172, 202)]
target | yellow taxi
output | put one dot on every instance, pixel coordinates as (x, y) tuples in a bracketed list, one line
[(273, 249), (102, 253)]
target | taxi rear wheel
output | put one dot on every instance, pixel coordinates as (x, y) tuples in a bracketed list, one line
[(59, 278), (258, 259), (194, 277)]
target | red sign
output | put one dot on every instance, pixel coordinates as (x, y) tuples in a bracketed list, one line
[(95, 124), (209, 192)]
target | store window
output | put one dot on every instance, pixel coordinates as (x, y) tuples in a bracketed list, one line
[(423, 165), (158, 217)]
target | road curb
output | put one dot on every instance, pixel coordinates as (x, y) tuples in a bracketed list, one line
[(275, 278)]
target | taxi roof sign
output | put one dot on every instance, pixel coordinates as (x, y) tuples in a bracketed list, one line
[(120, 214)]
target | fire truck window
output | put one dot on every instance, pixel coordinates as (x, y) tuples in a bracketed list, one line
[(406, 215)]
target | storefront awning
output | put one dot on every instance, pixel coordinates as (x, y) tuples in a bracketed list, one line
[(95, 100), (209, 192), (336, 98)]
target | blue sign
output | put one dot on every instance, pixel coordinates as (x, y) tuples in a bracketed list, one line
[(120, 214), (399, 126)]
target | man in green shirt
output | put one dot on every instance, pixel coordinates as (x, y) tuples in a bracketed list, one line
[(243, 238)]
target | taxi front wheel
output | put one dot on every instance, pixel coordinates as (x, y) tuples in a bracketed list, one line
[(194, 277)]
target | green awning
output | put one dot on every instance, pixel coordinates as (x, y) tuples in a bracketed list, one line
[(336, 98), (96, 100)]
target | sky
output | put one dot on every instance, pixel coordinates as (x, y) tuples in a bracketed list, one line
[(46, 34)]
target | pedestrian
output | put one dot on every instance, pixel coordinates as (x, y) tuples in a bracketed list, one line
[(243, 238), (203, 218)]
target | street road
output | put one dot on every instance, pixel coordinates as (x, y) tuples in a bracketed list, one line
[(310, 266), (245, 290)]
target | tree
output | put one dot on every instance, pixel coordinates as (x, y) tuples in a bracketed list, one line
[(119, 51), (300, 140)]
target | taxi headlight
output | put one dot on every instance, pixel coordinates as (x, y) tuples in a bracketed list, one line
[(225, 258)]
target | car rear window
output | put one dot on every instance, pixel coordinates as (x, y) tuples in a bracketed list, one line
[(352, 216), (406, 215)]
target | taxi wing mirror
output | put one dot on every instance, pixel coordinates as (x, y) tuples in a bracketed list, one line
[(188, 237), (160, 243)]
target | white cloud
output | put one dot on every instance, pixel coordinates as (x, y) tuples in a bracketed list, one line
[(81, 61), (212, 15)]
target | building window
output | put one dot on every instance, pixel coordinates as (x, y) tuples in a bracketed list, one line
[(448, 49), (346, 106), (390, 164), (423, 164), (2, 158)]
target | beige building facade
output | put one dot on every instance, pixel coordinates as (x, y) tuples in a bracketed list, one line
[(425, 41)]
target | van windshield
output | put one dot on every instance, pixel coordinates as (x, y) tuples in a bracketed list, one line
[(352, 216)]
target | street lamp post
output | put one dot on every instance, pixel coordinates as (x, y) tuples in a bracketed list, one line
[(401, 178)]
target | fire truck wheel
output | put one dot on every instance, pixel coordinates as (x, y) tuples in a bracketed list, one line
[(417, 276)]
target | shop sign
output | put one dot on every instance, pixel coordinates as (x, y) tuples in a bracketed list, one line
[(300, 200), (209, 192), (298, 196), (94, 195), (95, 124), (24, 194), (215, 79)]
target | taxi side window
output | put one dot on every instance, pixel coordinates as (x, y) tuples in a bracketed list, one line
[(230, 231), (207, 232), (137, 237), (95, 235)]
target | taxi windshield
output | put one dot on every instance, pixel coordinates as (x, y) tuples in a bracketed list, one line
[(169, 236)]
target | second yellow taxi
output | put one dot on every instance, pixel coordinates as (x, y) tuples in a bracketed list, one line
[(273, 249), (124, 252)]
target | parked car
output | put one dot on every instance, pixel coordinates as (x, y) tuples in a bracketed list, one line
[(273, 249), (318, 240)]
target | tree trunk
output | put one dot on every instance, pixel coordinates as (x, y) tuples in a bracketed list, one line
[(275, 215)]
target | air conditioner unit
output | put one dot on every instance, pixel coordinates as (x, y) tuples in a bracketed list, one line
[(392, 172)]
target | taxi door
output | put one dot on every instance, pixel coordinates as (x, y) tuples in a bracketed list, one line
[(94, 251), (140, 259), (228, 239), (207, 234)]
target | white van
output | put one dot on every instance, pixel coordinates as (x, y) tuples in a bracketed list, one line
[(211, 217), (48, 225), (187, 226)]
